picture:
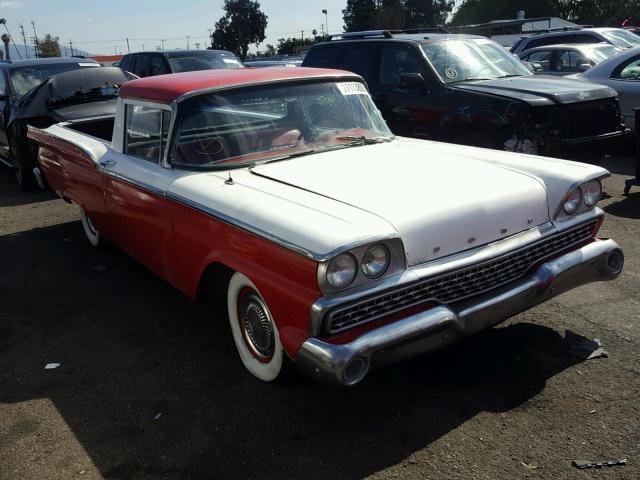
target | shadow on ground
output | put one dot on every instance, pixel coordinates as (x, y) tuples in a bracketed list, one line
[(130, 346)]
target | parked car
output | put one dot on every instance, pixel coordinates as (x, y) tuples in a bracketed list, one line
[(617, 37), (149, 64), (567, 59), (273, 187), (621, 73), (18, 79), (469, 90)]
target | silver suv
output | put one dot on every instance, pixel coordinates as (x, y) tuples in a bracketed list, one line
[(615, 36)]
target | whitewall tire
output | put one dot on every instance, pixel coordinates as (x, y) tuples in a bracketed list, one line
[(254, 331), (90, 231)]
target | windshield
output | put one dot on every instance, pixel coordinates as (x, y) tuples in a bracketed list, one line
[(621, 38), (192, 61), (601, 52), (231, 129), (473, 59), (24, 79)]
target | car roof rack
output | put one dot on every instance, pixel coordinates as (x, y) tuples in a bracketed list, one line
[(386, 33)]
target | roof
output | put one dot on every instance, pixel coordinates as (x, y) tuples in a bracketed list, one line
[(576, 46), (182, 52), (46, 61), (167, 88)]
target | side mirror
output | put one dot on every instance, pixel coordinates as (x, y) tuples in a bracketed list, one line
[(412, 80), (583, 67)]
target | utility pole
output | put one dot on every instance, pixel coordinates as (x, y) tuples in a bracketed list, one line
[(187, 42), (326, 19), (162, 42), (322, 28), (302, 36), (211, 37), (24, 40), (142, 48), (115, 49), (36, 42), (71, 47), (128, 49)]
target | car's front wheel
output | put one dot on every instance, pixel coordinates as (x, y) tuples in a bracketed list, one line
[(254, 331), (22, 165)]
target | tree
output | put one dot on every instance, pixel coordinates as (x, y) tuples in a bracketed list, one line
[(243, 24), (49, 46), (394, 14)]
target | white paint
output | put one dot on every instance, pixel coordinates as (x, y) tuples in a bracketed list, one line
[(352, 88)]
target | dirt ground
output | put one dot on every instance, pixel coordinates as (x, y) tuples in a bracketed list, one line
[(150, 386)]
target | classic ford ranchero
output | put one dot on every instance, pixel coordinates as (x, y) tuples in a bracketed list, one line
[(338, 246)]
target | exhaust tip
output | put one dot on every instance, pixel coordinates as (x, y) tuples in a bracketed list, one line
[(355, 370), (615, 261)]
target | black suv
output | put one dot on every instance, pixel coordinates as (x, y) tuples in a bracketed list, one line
[(149, 64), (468, 89)]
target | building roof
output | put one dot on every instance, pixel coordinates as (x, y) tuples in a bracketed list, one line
[(167, 88)]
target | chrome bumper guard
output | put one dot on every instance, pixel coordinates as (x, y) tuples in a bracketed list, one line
[(347, 364)]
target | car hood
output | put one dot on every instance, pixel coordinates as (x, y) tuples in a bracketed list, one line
[(539, 89), (438, 205)]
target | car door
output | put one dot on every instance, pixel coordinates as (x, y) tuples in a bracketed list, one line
[(135, 187), (408, 110), (625, 79), (5, 112)]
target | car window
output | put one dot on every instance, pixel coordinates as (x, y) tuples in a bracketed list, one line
[(541, 42), (25, 78), (395, 61), (324, 57), (125, 63), (570, 61), (580, 38), (141, 66), (193, 61), (629, 70), (146, 132), (358, 60), (157, 66), (541, 57)]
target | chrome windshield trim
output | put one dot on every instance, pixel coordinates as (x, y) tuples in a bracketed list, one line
[(465, 259)]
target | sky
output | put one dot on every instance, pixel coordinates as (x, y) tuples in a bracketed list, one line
[(101, 26)]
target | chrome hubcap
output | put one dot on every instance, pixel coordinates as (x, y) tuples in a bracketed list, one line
[(256, 325)]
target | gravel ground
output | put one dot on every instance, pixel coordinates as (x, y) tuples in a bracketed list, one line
[(150, 385)]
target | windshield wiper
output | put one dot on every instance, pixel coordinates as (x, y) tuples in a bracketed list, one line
[(362, 140)]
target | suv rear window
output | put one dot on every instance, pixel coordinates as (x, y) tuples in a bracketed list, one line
[(324, 57), (359, 59)]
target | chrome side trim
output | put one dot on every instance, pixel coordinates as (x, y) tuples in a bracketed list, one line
[(443, 325), (144, 186), (446, 264)]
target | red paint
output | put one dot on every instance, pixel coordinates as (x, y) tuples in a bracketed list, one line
[(167, 88)]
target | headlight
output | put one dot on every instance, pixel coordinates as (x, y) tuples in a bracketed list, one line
[(572, 203), (591, 192), (375, 261), (341, 270)]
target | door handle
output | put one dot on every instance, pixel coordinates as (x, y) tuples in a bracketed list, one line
[(109, 162)]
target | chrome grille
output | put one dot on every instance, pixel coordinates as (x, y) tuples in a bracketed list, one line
[(457, 285)]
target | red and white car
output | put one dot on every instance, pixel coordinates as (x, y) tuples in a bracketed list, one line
[(339, 246)]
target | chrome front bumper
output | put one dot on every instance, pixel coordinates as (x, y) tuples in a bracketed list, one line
[(347, 364)]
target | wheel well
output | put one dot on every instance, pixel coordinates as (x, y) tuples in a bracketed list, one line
[(214, 282)]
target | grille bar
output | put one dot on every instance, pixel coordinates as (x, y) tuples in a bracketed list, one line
[(459, 284)]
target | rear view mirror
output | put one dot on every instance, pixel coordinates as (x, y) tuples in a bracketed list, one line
[(412, 80)]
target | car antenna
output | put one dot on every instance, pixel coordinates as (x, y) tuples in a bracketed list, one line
[(229, 181)]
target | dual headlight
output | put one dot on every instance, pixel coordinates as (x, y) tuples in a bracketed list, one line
[(343, 269), (588, 193)]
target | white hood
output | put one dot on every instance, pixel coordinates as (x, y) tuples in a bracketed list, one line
[(439, 204)]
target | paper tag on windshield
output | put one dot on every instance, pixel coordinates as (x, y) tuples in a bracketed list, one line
[(230, 60), (87, 64), (352, 88)]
